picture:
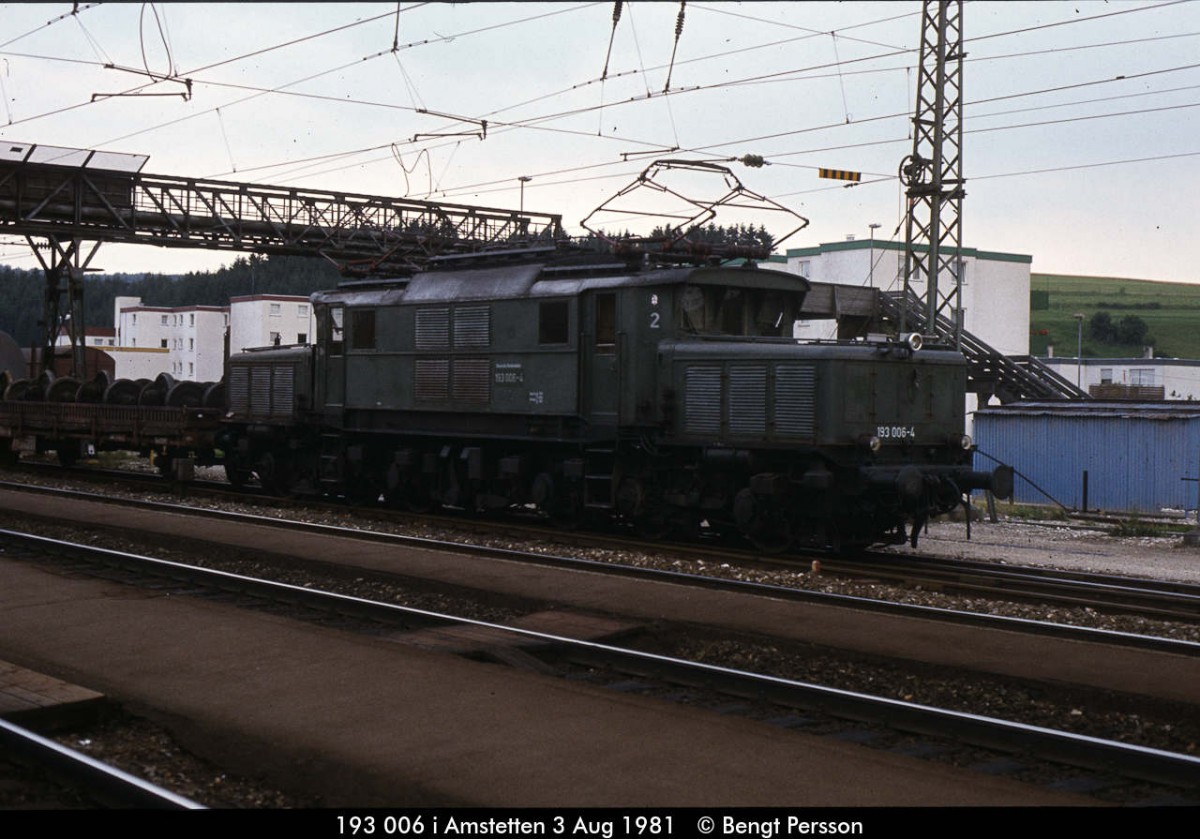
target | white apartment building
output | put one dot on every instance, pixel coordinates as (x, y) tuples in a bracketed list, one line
[(995, 286), (264, 320), (186, 341), (189, 341), (1178, 378)]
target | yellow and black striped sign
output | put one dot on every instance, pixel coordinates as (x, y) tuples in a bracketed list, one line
[(840, 174)]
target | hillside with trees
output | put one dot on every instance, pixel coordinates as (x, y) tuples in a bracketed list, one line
[(21, 300), (1120, 317)]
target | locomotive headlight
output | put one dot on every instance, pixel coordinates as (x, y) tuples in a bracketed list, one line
[(965, 441), (871, 442)]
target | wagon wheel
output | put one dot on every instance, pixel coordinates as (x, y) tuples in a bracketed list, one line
[(163, 464), (237, 475), (68, 453)]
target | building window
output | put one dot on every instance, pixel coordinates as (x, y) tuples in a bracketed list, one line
[(191, 344), (302, 310), (1142, 377), (805, 267), (191, 320), (164, 343), (191, 370), (135, 320), (164, 320), (275, 310), (1106, 375), (301, 337), (275, 339)]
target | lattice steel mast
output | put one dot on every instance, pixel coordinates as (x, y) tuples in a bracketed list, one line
[(933, 172)]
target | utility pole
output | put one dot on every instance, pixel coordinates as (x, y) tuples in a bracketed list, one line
[(932, 174)]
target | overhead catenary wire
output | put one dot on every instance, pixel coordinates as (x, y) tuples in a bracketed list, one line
[(840, 68), (546, 117)]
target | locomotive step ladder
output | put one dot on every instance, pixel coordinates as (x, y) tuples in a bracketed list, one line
[(329, 472), (599, 466)]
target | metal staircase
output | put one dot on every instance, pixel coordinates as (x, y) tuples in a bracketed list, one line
[(1009, 378)]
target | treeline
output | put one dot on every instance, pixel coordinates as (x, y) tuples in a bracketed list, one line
[(22, 290), (1149, 307), (1128, 330), (734, 234)]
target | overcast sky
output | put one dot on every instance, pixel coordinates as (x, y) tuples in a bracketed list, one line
[(1082, 119)]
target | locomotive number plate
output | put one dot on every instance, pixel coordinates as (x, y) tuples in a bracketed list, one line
[(509, 373), (896, 432)]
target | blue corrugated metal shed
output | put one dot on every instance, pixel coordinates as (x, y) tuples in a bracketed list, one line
[(1135, 454)]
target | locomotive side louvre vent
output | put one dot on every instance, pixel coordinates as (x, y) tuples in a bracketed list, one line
[(747, 399), (432, 379), (433, 329), (702, 400), (473, 380), (260, 391), (472, 327), (795, 393), (239, 389), (284, 391)]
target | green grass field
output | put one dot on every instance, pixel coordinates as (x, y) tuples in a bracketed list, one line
[(1170, 310)]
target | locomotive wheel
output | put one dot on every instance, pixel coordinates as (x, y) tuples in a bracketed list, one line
[(418, 498), (773, 540), (655, 521), (363, 490), (275, 474), (410, 494), (653, 527)]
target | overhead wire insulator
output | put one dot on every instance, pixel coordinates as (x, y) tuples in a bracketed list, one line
[(678, 32), (754, 161), (616, 19)]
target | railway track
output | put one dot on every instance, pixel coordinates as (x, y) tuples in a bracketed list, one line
[(91, 782), (1158, 599), (559, 653), (1153, 598)]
